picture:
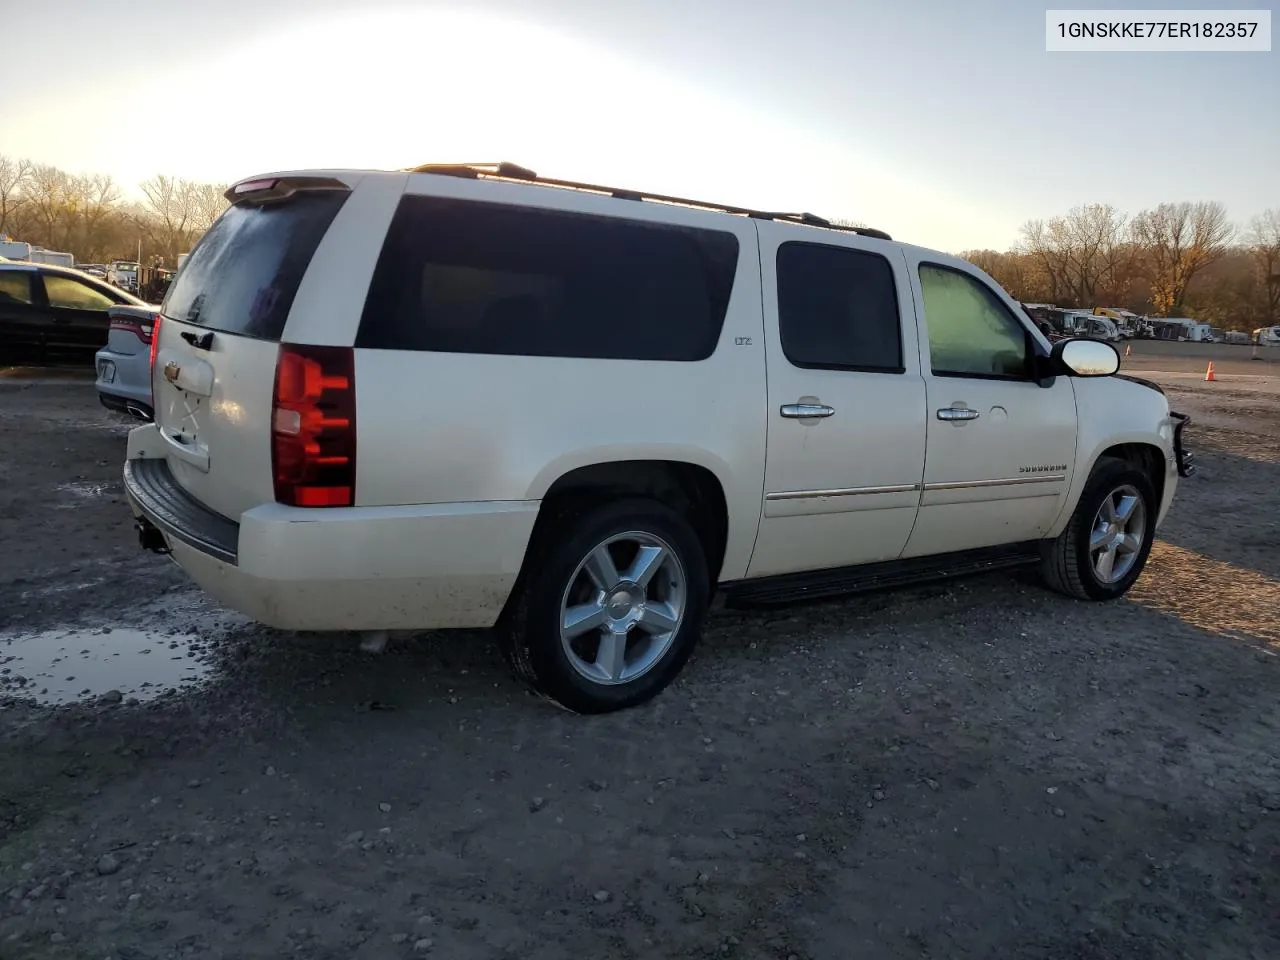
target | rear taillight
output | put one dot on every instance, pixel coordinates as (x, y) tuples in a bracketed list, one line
[(155, 343), (313, 426), (154, 339), (138, 328)]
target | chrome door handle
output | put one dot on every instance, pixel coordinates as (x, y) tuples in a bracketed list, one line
[(805, 411), (957, 413)]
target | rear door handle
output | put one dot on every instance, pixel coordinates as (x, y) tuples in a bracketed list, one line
[(957, 413), (805, 411)]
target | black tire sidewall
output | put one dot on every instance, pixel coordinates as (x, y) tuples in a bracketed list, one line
[(561, 550), (1106, 479)]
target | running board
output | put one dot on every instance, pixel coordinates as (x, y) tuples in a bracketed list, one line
[(865, 578)]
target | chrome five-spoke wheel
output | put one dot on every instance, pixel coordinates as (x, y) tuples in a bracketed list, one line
[(1116, 539), (623, 608)]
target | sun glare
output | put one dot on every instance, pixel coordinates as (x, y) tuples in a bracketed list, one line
[(392, 88)]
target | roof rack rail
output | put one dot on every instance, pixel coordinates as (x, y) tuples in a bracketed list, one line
[(504, 170)]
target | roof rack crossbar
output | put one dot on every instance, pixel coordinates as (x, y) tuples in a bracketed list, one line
[(504, 170)]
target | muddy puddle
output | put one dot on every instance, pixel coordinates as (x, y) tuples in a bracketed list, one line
[(78, 490), (63, 666)]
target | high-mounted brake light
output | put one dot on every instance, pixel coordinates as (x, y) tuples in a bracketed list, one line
[(253, 186), (313, 426)]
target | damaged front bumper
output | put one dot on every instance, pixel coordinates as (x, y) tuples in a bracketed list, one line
[(1184, 458)]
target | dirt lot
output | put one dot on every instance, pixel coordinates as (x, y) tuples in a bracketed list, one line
[(975, 771)]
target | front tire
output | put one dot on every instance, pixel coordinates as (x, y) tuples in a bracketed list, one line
[(1104, 548), (611, 605)]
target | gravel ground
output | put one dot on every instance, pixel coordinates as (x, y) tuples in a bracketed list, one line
[(977, 770)]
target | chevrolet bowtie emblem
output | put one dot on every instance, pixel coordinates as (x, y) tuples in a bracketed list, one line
[(171, 371)]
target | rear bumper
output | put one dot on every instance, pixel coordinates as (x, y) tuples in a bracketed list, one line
[(354, 568), (131, 382)]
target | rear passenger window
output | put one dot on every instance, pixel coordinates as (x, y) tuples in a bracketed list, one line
[(465, 277), (838, 309)]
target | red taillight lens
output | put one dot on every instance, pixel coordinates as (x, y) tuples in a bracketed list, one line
[(155, 343), (142, 331), (154, 340), (313, 426)]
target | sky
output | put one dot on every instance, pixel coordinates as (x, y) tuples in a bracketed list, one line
[(945, 123)]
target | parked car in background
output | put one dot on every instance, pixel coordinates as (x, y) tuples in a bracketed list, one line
[(1237, 336), (53, 314), (1126, 321), (123, 274), (1267, 336), (98, 270), (124, 364)]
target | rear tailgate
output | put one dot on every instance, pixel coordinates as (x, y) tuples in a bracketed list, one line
[(219, 336)]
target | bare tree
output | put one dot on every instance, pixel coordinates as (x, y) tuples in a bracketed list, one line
[(51, 208), (97, 196), (208, 202), (169, 201), (13, 177), (1179, 240), (1081, 254), (1097, 249), (1043, 246), (1264, 250)]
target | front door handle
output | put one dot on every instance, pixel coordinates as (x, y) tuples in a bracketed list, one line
[(957, 413), (805, 411)]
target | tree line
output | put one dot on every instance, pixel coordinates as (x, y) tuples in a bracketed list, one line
[(88, 216), (1176, 260)]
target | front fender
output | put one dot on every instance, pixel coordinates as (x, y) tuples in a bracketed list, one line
[(1112, 412)]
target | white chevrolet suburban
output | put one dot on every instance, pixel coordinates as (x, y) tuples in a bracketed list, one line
[(469, 396)]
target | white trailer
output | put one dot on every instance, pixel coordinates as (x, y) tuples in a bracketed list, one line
[(15, 250), (1196, 331), (55, 257)]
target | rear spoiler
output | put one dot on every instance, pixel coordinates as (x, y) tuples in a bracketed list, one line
[(275, 189)]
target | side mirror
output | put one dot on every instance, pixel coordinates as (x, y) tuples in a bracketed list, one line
[(1086, 358)]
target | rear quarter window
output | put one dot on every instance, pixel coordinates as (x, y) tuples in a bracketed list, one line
[(467, 277), (242, 276)]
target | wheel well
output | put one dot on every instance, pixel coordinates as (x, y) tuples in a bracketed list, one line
[(1141, 456), (692, 490)]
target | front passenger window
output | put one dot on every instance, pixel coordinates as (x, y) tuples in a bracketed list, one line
[(971, 333)]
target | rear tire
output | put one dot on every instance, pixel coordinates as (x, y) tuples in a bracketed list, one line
[(1104, 548), (610, 605)]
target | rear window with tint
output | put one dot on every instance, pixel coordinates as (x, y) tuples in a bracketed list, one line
[(465, 277), (244, 273)]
